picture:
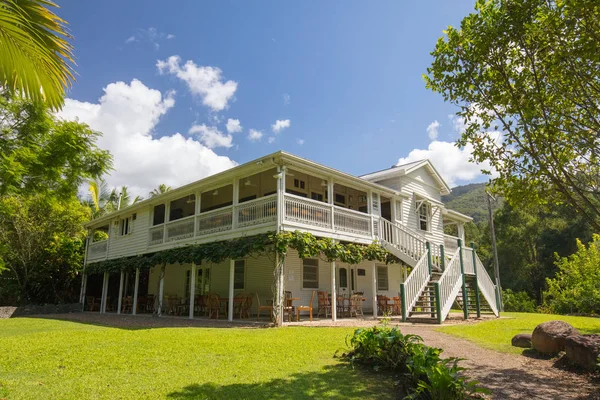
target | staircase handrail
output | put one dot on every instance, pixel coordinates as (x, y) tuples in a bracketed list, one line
[(402, 239), (416, 283), (486, 286), (449, 285)]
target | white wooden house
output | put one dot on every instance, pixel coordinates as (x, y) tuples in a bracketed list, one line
[(399, 207)]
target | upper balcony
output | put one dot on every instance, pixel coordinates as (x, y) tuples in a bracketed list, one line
[(287, 197)]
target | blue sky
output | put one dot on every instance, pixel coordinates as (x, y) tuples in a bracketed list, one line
[(346, 76)]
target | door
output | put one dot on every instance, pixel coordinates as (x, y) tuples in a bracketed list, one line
[(203, 281), (347, 280)]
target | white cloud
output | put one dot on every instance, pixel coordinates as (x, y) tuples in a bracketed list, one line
[(271, 139), (150, 35), (451, 162), (205, 82), (432, 130), (254, 135), (280, 125), (127, 115), (210, 136), (287, 99), (300, 141), (233, 125)]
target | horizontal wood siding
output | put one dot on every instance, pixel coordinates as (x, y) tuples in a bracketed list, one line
[(133, 244)]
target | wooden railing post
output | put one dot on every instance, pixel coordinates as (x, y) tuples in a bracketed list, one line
[(403, 302), (429, 259), (438, 303), (477, 301), (443, 258), (464, 280)]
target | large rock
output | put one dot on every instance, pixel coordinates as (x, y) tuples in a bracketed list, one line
[(583, 350), (549, 337), (522, 340)]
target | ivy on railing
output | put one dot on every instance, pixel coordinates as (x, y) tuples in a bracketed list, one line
[(306, 244)]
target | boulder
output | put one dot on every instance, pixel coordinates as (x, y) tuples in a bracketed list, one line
[(583, 350), (522, 340), (549, 337)]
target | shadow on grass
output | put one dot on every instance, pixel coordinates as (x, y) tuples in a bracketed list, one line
[(334, 382)]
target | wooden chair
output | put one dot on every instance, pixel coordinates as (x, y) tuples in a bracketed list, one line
[(396, 307), (247, 306), (238, 304), (127, 305), (213, 305), (342, 305), (382, 304), (288, 308), (149, 307), (259, 308), (356, 305), (308, 308), (324, 304), (91, 303)]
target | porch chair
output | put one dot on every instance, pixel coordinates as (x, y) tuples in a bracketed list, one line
[(396, 307), (341, 305), (324, 304), (238, 304), (308, 308), (91, 302), (247, 306), (127, 304), (149, 306), (356, 305), (288, 308), (265, 308), (213, 305), (382, 304)]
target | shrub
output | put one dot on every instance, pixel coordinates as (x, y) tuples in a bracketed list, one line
[(576, 287), (425, 374), (517, 301)]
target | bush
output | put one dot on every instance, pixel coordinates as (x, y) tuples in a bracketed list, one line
[(518, 301), (576, 287), (424, 373)]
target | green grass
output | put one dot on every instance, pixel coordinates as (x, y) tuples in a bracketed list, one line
[(51, 359), (497, 334)]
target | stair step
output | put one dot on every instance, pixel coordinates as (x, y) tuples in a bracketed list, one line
[(422, 320)]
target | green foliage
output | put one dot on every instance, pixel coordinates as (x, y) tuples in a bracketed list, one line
[(35, 56), (43, 240), (517, 301), (426, 374), (101, 201), (576, 286), (306, 244), (529, 69), (42, 154), (471, 200)]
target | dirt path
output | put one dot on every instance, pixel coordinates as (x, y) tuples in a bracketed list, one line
[(509, 376)]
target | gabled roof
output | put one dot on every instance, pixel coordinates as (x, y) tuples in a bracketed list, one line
[(405, 169)]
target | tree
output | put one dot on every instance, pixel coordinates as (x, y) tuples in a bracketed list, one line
[(40, 153), (529, 70), (43, 240), (35, 54), (162, 188), (101, 201)]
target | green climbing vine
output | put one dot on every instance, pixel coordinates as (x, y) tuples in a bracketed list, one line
[(306, 244)]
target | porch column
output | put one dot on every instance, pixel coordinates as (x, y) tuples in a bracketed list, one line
[(279, 296), (374, 289), (234, 202), (84, 291), (333, 294), (136, 286), (120, 299), (192, 289), (104, 292), (161, 291), (461, 231), (330, 199), (231, 276)]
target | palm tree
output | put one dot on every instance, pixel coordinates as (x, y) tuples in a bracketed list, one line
[(35, 55), (119, 199), (162, 188), (102, 201)]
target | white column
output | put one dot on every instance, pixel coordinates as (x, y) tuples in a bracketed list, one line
[(231, 277), (161, 292), (333, 293), (330, 199), (374, 290), (85, 278), (279, 298), (461, 231), (120, 300), (104, 292), (192, 289), (234, 202), (135, 291)]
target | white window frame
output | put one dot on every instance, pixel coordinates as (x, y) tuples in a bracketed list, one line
[(398, 204), (380, 286), (128, 223), (236, 265), (306, 265), (423, 205)]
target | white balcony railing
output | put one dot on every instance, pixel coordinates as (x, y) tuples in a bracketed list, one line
[(98, 249), (468, 260), (215, 221), (351, 221), (306, 211), (450, 243), (256, 212), (157, 235), (180, 229)]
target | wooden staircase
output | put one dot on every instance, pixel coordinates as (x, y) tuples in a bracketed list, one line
[(484, 306), (424, 310)]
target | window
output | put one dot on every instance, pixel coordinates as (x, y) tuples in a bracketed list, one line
[(382, 278), (423, 214), (310, 273), (343, 278), (125, 226), (159, 215), (340, 198), (299, 184), (239, 272), (361, 272), (316, 196), (398, 210)]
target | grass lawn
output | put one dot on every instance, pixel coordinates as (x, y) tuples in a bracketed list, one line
[(51, 359), (496, 334)]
